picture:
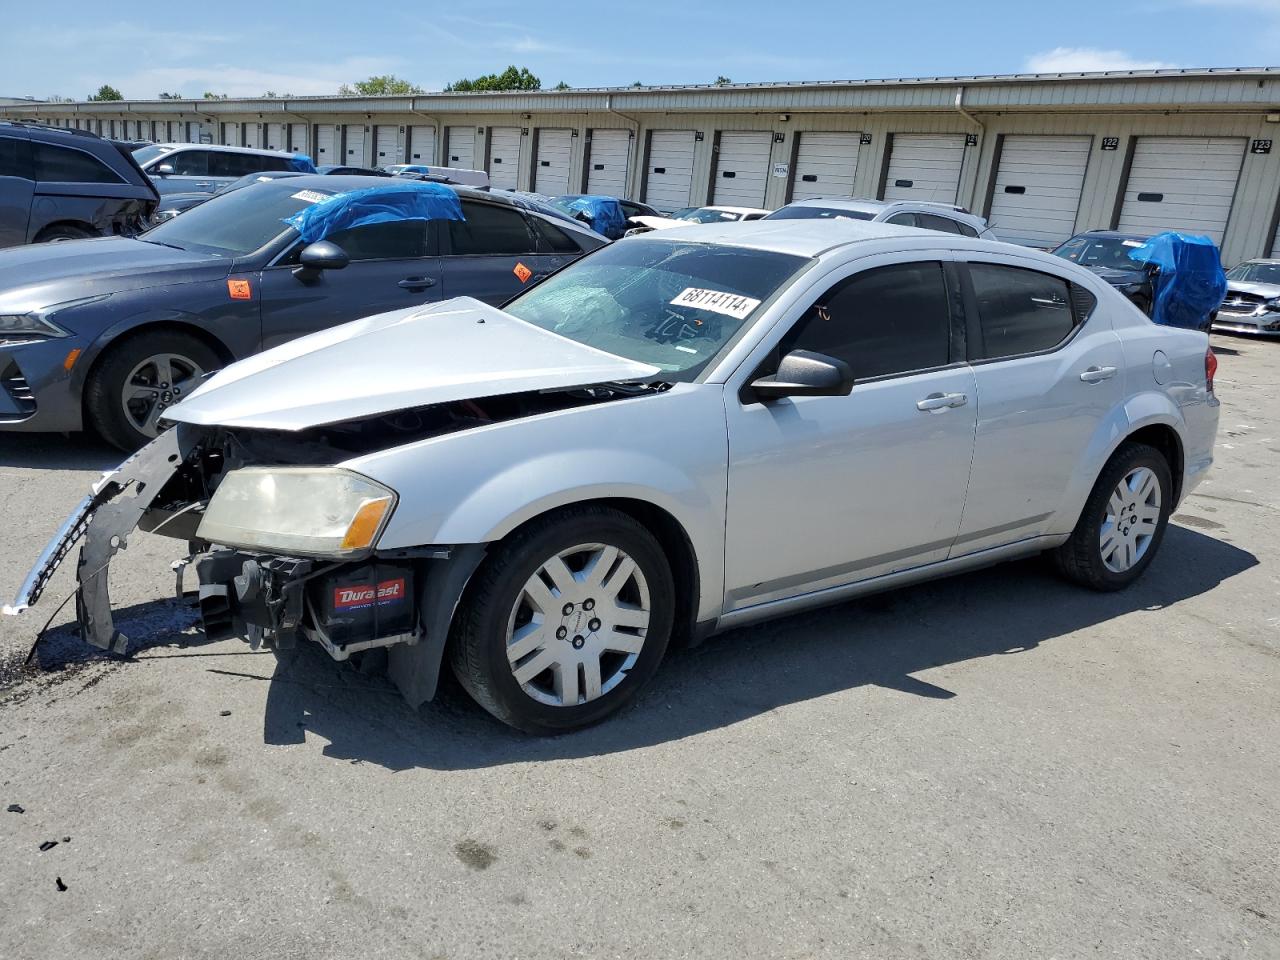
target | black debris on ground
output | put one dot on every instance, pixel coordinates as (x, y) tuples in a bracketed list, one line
[(15, 808), (62, 887), (66, 839), (48, 845), (224, 713)]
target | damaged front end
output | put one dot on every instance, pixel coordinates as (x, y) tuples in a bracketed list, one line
[(282, 539)]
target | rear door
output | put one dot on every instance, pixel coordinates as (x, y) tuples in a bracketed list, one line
[(17, 186), (392, 266), (491, 255), (190, 173), (1049, 369)]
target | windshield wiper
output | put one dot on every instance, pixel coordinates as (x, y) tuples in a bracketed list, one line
[(161, 243)]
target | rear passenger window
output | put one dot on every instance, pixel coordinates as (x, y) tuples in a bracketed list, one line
[(1021, 311), (553, 239), (884, 321), (396, 240), (236, 164), (64, 165), (15, 158), (903, 219), (490, 230), (931, 221)]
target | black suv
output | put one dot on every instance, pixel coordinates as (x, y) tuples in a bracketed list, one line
[(63, 184)]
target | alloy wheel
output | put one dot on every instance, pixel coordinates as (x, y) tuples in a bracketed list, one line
[(154, 384), (578, 625), (1131, 520)]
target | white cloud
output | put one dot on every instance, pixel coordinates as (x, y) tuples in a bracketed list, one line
[(297, 79), (1088, 59)]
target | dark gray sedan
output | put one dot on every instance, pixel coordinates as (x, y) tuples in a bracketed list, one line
[(107, 333)]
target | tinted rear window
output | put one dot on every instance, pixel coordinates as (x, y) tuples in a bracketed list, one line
[(64, 165)]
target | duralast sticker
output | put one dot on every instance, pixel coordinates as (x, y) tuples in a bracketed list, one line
[(354, 598), (717, 301)]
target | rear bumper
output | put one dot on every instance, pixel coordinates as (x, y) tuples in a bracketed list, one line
[(37, 392)]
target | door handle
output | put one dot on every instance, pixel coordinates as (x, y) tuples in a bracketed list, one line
[(417, 283), (938, 402), (1098, 374)]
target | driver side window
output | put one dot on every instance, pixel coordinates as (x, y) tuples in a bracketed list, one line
[(883, 321), (398, 240)]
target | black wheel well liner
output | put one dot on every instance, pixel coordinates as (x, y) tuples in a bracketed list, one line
[(1165, 439), (67, 222)]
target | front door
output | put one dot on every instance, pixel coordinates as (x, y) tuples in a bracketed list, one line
[(190, 173), (391, 268), (825, 491)]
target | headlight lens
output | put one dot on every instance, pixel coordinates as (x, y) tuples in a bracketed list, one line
[(36, 324), (308, 511), (160, 216)]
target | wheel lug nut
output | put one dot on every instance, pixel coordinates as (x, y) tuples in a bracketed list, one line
[(561, 633), (578, 642), (593, 626), (588, 604), (568, 609)]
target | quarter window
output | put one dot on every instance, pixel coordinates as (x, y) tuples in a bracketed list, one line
[(15, 158), (883, 321), (490, 230), (63, 165), (553, 239), (1020, 311)]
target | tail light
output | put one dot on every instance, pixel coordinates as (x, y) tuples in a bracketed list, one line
[(1210, 368)]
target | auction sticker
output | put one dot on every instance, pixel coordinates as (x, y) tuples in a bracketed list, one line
[(717, 301), (311, 196)]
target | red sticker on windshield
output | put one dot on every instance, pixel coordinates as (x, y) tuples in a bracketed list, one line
[(239, 290), (523, 272)]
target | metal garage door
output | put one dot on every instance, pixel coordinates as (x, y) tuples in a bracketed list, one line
[(608, 160), (551, 165), (825, 165), (461, 143), (742, 168), (356, 134), (1182, 183), (925, 166), (387, 139), (275, 137), (298, 139), (1037, 189), (326, 144), (669, 169), (422, 144), (504, 157), (231, 135), (252, 135)]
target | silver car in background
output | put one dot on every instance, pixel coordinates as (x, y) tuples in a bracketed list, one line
[(678, 434), (1252, 303)]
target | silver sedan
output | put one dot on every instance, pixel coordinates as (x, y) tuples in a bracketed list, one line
[(679, 434)]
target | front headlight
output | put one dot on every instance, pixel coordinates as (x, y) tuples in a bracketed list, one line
[(307, 511), (160, 216), (38, 324)]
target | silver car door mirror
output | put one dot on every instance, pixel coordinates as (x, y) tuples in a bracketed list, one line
[(803, 373)]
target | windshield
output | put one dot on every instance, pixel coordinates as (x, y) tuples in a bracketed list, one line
[(671, 304), (235, 224), (1112, 252), (709, 215), (819, 213), (145, 155), (1256, 273)]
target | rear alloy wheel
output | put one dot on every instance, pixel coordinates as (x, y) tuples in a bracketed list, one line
[(127, 393), (566, 621), (1123, 521)]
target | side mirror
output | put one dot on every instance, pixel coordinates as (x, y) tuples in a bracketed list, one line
[(163, 169), (322, 255), (803, 373)]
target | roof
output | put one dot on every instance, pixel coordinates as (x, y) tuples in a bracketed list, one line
[(221, 148), (738, 210)]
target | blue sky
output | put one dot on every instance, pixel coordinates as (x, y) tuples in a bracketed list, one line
[(245, 49)]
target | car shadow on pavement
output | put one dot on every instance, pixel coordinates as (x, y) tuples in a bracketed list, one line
[(881, 640), (54, 451)]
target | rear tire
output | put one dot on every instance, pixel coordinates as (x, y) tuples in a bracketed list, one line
[(129, 388), (1123, 522), (607, 607), (64, 231)]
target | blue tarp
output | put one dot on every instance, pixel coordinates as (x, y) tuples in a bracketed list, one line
[(604, 214), (302, 163), (1190, 284), (397, 200)]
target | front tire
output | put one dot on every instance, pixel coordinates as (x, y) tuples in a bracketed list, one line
[(138, 378), (65, 231), (1123, 521), (566, 620)]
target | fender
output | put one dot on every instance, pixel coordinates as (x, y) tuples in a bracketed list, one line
[(476, 486), (136, 321)]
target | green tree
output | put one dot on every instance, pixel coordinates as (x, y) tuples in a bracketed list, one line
[(723, 81), (388, 85), (562, 86), (637, 84), (509, 79), (107, 92), (210, 95), (170, 96), (58, 98)]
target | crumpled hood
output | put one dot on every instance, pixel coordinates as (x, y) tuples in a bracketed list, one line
[(1268, 290), (457, 350), (41, 274)]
